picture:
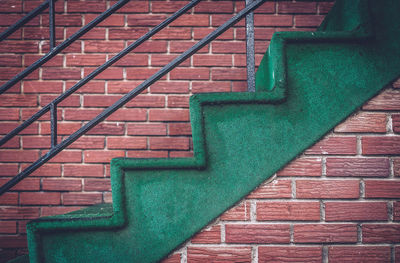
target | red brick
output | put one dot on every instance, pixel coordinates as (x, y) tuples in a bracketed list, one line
[(273, 20), (100, 185), (45, 170), (157, 143), (101, 156), (164, 59), (214, 7), (290, 254), (396, 123), (63, 20), (308, 20), (396, 211), (36, 142), (178, 101), (111, 73), (323, 233), (107, 129), (380, 233), (364, 122), (57, 210), (13, 242), (111, 21), (9, 100), (174, 34), (228, 47), (168, 115), (61, 73), (10, 60), (18, 156), (147, 101), (365, 254), (122, 87), (298, 7), (81, 170), (8, 169), (75, 47), (10, 6), (96, 46), (389, 99), (199, 33), (147, 129), (95, 33), (39, 198), (179, 129), (195, 20), (86, 7), (61, 184), (228, 74), (85, 60), (382, 189), (325, 189), (19, 213), (275, 189), (190, 74), (41, 33), (157, 46), (127, 143), (356, 211), (9, 114), (208, 236), (202, 86), (335, 145), (27, 184), (135, 60), (6, 127), (133, 7), (212, 60), (358, 167), (8, 227), (302, 167), (170, 87), (180, 154), (56, 61), (19, 46), (257, 233), (145, 20), (71, 101), (284, 211), (182, 46), (239, 212), (81, 114), (219, 19), (324, 7), (65, 128), (124, 34), (383, 145), (82, 198), (43, 87), (67, 156), (128, 115), (147, 154), (219, 254), (8, 199)]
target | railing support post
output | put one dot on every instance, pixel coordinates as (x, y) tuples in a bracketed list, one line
[(250, 60)]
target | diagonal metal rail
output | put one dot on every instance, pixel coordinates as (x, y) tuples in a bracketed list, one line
[(136, 91)]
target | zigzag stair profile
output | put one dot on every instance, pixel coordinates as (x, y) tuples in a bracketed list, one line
[(306, 84)]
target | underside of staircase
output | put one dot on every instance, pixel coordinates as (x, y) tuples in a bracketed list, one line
[(306, 84)]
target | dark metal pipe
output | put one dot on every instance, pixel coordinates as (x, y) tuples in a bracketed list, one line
[(127, 97), (20, 23), (52, 24), (53, 124), (250, 59), (62, 46)]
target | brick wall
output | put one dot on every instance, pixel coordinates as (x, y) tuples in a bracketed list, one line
[(337, 199)]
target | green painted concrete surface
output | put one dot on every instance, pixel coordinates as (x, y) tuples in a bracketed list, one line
[(307, 83)]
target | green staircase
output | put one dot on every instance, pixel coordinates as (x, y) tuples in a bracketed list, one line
[(306, 84)]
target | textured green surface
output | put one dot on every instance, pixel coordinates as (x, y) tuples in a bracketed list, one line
[(307, 83)]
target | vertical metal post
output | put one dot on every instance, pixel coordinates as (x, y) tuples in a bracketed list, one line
[(52, 24), (250, 60), (53, 124)]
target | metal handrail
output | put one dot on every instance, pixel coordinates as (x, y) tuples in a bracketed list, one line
[(56, 148), (55, 50)]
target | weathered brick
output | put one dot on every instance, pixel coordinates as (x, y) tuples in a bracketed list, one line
[(389, 99), (228, 74), (40, 198), (147, 129), (190, 74), (101, 156), (335, 145), (81, 170), (298, 7), (147, 154), (174, 258), (8, 198), (168, 115), (290, 254), (284, 211), (18, 212), (382, 189), (358, 167), (308, 20), (82, 198), (380, 233), (67, 156), (57, 210), (208, 236), (107, 129), (219, 254), (157, 143), (356, 211), (257, 233), (61, 184), (99, 185), (179, 129), (364, 122), (396, 211), (178, 101), (239, 212), (13, 241), (380, 145), (302, 167), (202, 86), (275, 189), (127, 143), (325, 189), (367, 254), (324, 233), (396, 123), (8, 227)]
